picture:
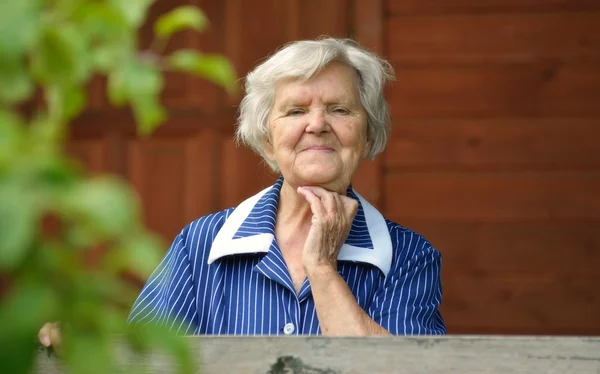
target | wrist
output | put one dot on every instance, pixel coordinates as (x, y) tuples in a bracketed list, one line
[(320, 270)]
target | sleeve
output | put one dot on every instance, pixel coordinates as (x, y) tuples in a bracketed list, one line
[(168, 298), (408, 303)]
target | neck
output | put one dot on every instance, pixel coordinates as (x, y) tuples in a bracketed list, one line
[(293, 209)]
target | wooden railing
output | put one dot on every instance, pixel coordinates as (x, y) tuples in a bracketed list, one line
[(431, 355)]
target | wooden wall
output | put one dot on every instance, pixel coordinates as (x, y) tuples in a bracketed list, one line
[(495, 153)]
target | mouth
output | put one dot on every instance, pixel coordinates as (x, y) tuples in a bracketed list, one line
[(319, 148)]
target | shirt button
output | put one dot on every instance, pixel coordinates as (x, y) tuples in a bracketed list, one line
[(288, 329)]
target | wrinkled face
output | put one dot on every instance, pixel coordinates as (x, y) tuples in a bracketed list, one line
[(319, 129)]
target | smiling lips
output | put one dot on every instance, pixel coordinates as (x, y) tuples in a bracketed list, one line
[(321, 148)]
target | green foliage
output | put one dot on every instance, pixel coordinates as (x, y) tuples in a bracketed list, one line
[(52, 216)]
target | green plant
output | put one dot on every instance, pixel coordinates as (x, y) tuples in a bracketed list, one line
[(49, 50)]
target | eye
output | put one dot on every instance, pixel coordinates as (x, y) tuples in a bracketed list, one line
[(341, 110), (295, 112)]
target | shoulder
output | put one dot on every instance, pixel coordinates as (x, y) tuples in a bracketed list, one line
[(198, 235), (409, 246)]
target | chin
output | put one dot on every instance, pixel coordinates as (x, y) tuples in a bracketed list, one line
[(319, 176)]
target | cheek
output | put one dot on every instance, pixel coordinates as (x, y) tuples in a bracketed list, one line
[(286, 135), (355, 136)]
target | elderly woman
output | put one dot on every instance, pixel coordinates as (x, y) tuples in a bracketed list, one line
[(307, 255)]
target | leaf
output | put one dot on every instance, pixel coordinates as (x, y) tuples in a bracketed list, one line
[(178, 19), (136, 80), (101, 21), (88, 353), (148, 113), (103, 207), (61, 57), (15, 83), (18, 223), (144, 336), (216, 68), (74, 101), (21, 315), (117, 94), (139, 252), (134, 11), (11, 137), (19, 26), (141, 84)]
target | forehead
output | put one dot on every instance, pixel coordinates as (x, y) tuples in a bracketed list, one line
[(336, 81)]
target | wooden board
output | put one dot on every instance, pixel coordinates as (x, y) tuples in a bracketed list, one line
[(467, 6), (492, 197), (507, 90), (243, 173), (494, 144), (431, 355), (564, 250), (174, 177), (521, 305), (483, 38)]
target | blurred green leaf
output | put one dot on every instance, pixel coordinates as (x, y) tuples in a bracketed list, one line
[(116, 89), (65, 240), (143, 337), (184, 17), (18, 223), (88, 353), (61, 57), (143, 79), (136, 80), (134, 11), (22, 313), (15, 82), (103, 22), (104, 207), (148, 113), (215, 68), (19, 25), (74, 101), (11, 138), (140, 252)]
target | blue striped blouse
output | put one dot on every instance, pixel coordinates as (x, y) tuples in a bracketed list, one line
[(225, 274)]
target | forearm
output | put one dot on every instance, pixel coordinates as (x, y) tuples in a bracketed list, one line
[(337, 309)]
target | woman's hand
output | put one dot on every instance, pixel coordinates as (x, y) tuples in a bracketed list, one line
[(331, 222), (49, 336)]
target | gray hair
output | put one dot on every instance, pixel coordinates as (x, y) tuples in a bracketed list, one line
[(303, 60)]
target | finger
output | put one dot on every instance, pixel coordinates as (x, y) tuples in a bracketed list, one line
[(316, 206), (44, 335), (318, 191), (55, 337), (339, 204), (326, 196), (330, 203), (350, 206)]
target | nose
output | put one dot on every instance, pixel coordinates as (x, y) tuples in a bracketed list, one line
[(317, 123)]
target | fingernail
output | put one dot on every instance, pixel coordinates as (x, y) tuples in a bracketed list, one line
[(46, 341)]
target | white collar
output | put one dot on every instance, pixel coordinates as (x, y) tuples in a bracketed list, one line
[(225, 244)]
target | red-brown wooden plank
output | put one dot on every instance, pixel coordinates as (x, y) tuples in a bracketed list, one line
[(564, 37), (492, 197), (91, 153), (174, 177), (543, 90), (494, 144), (521, 305), (565, 250), (395, 7), (243, 174)]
